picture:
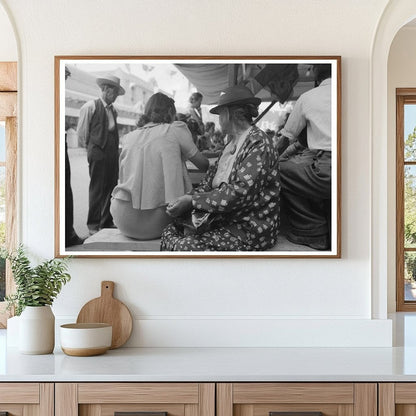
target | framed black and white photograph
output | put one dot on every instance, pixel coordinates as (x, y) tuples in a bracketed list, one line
[(198, 156)]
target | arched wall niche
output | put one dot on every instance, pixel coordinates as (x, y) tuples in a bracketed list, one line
[(396, 15), (9, 50), (401, 74)]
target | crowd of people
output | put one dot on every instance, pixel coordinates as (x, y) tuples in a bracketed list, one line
[(146, 191)]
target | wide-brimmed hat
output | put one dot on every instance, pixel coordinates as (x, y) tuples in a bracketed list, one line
[(112, 81), (234, 96), (279, 78)]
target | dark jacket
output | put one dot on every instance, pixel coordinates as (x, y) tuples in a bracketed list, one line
[(98, 133)]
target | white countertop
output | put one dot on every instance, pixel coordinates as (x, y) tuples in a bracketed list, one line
[(222, 364), (215, 364)]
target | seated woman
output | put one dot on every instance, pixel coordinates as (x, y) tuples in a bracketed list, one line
[(152, 170), (236, 207)]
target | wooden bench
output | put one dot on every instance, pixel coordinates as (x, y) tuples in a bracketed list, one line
[(111, 239)]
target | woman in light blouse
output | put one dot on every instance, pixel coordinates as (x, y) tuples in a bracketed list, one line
[(152, 170)]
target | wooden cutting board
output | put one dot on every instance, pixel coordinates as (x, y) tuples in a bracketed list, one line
[(108, 310)]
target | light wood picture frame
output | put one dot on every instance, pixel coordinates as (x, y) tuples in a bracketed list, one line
[(283, 85)]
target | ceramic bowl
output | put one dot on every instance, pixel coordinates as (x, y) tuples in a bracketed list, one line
[(83, 340)]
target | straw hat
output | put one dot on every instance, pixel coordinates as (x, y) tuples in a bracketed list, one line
[(112, 81), (235, 95)]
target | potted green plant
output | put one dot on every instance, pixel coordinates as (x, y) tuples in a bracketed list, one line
[(36, 289)]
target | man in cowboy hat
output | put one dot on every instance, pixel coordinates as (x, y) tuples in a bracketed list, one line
[(97, 128)]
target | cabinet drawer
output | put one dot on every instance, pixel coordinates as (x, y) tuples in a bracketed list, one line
[(309, 399), (397, 399), (19, 393), (138, 393), (148, 399), (21, 399)]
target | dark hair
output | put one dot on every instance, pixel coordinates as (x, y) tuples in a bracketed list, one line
[(193, 127), (244, 112), (322, 71), (142, 120), (218, 134), (209, 125), (196, 95), (159, 109), (67, 72)]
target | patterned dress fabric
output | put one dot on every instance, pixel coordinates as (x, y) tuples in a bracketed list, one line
[(244, 212)]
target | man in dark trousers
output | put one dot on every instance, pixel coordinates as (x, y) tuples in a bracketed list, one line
[(305, 172), (71, 237), (97, 128)]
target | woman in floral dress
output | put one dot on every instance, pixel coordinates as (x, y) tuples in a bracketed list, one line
[(236, 207)]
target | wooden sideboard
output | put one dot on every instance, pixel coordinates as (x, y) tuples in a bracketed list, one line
[(208, 399)]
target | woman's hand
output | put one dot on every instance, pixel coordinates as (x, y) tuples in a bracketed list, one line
[(179, 206)]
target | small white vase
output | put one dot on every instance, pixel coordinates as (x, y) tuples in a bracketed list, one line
[(37, 330)]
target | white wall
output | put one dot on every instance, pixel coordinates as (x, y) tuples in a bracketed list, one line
[(8, 46), (203, 302), (401, 74)]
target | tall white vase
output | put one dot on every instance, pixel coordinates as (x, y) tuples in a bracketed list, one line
[(37, 330)]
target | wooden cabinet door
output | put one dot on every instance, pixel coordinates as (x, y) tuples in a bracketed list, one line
[(26, 399), (297, 399), (143, 399), (397, 399)]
